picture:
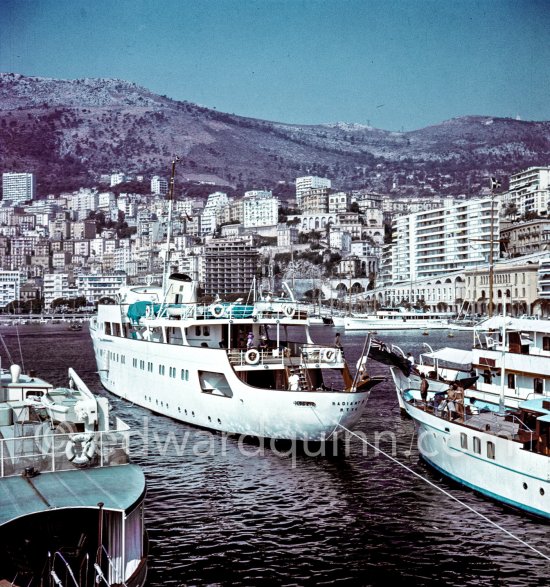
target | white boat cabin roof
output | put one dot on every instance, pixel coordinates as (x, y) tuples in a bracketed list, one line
[(518, 324)]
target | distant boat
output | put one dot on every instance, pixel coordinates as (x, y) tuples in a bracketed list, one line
[(397, 319), (70, 502), (75, 326)]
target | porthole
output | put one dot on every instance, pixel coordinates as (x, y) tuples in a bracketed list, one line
[(525, 486), (209, 419), (193, 414), (219, 422), (541, 491)]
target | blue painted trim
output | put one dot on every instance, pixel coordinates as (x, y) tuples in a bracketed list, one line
[(490, 494)]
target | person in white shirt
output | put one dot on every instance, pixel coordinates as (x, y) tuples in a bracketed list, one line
[(293, 381)]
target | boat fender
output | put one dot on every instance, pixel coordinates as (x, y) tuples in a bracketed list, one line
[(217, 310), (252, 357), (148, 312), (289, 311), (328, 355), (88, 448)]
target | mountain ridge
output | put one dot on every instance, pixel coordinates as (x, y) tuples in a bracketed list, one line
[(69, 132)]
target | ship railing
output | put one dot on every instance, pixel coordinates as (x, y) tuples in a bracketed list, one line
[(40, 452), (292, 352)]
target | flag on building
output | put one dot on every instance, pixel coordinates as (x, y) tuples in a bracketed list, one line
[(495, 183)]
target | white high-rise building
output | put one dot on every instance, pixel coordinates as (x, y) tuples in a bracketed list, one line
[(304, 184), (214, 204), (529, 191), (17, 187), (260, 208), (159, 185), (437, 242)]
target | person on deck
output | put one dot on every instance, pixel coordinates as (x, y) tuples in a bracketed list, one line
[(293, 381), (424, 385), (250, 341)]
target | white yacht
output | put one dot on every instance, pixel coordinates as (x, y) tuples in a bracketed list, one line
[(160, 348), (71, 504), (509, 362), (397, 319), (503, 454)]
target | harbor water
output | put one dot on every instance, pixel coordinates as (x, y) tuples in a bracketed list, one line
[(228, 511)]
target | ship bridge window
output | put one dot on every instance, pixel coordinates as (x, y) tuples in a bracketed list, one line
[(477, 445), (490, 450), (116, 329), (214, 383), (511, 381), (546, 343), (107, 328), (161, 369)]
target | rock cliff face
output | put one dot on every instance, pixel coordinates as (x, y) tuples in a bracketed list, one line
[(71, 132)]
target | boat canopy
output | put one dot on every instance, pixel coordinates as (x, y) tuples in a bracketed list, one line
[(448, 355), (118, 488)]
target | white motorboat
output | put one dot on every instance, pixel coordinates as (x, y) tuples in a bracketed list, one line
[(161, 349), (71, 504)]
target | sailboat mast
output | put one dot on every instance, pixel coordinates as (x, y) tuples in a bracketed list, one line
[(169, 228)]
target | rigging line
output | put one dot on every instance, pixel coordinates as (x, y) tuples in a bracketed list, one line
[(413, 472), (20, 349), (8, 354), (336, 425)]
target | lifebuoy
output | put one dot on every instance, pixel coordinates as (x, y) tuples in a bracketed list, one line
[(87, 451), (252, 356), (289, 311), (217, 310), (328, 355)]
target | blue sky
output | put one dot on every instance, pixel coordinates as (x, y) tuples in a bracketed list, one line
[(393, 64)]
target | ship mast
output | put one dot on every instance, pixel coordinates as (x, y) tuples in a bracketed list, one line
[(494, 185), (169, 228)]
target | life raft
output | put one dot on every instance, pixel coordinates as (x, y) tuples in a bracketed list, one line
[(88, 447), (252, 356), (328, 355), (289, 311), (217, 310)]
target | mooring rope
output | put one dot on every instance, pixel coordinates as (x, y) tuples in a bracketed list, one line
[(446, 493)]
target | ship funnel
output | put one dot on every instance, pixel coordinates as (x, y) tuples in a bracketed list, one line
[(15, 371), (181, 289)]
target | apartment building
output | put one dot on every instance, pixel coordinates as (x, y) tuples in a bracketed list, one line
[(524, 238), (96, 286), (10, 287), (440, 241), (17, 188), (228, 266), (159, 185), (260, 208), (57, 285), (529, 192), (307, 183)]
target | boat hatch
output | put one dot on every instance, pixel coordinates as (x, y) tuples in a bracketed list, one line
[(215, 383)]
